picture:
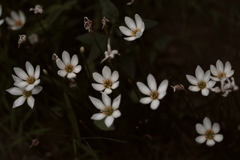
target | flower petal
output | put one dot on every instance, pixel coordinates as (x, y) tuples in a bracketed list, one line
[(97, 77), (14, 16), (114, 76), (77, 69), (192, 79), (106, 100), (98, 116), (200, 128), (36, 90), (71, 75), (138, 21), (210, 84), (214, 70), (199, 73), (29, 87), (163, 86), (205, 92), (194, 88), (143, 88), (107, 91), (130, 23), (115, 85), (60, 64), (145, 100), (228, 67), (207, 123), (97, 103), (22, 17), (62, 73), (98, 87), (155, 103), (161, 95), (200, 139), (37, 72), (66, 57), (106, 72), (219, 65), (210, 142), (218, 137), (206, 76), (19, 101), (20, 73), (125, 31), (74, 60), (229, 74), (116, 114), (109, 121), (16, 79), (152, 82), (116, 102), (15, 91), (30, 101), (9, 21), (21, 84), (215, 128), (30, 69)]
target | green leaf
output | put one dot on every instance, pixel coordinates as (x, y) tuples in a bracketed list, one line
[(100, 124), (109, 10), (149, 23), (162, 42), (71, 116)]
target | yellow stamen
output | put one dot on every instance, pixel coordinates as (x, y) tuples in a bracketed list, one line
[(154, 95), (27, 93), (221, 74), (18, 23), (209, 134), (30, 80), (69, 68), (108, 111), (201, 84), (134, 32), (107, 83)]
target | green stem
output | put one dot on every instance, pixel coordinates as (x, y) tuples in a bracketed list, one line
[(147, 53), (211, 106)]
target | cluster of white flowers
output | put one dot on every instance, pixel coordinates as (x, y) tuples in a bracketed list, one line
[(220, 73), (107, 81), (25, 85)]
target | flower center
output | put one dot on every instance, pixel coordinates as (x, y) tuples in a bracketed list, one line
[(69, 68), (27, 93), (18, 23), (201, 84), (154, 95), (30, 80), (107, 83), (108, 111), (221, 74), (134, 31), (209, 134)]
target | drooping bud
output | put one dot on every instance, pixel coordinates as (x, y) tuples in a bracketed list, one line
[(22, 39)]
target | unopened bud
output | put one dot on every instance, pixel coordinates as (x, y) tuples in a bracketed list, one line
[(82, 50), (22, 39), (54, 57), (45, 71), (179, 87), (35, 142)]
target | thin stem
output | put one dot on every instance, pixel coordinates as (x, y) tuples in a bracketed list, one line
[(86, 64), (90, 149), (103, 138), (211, 106)]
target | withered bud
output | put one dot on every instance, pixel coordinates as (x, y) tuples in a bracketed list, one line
[(179, 87), (104, 22), (35, 142), (22, 39), (37, 9), (54, 57), (88, 24)]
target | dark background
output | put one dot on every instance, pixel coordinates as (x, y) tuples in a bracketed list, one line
[(179, 35)]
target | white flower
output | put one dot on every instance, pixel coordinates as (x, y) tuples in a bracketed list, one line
[(226, 87), (1, 20), (22, 39), (68, 67), (33, 38), (16, 21), (24, 95), (107, 110), (208, 132), (37, 9), (109, 53), (201, 82), (221, 71), (27, 80), (134, 30), (107, 82), (154, 93)]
